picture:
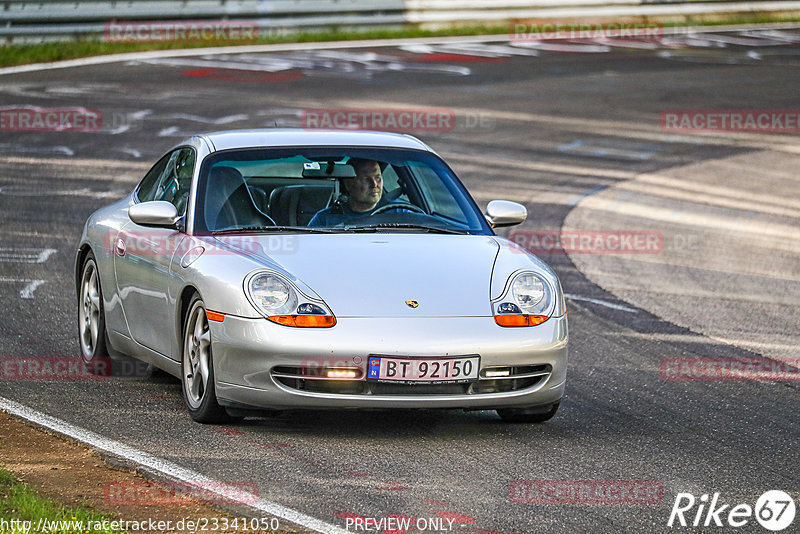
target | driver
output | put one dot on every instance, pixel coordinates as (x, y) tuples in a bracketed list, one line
[(364, 193)]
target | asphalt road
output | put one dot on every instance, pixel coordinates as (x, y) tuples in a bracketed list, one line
[(573, 131)]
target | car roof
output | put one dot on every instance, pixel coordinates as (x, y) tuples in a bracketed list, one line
[(271, 137)]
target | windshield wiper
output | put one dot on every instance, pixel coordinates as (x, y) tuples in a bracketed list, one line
[(375, 227), (246, 229)]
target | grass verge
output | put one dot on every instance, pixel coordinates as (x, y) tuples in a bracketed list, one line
[(20, 54), (19, 503)]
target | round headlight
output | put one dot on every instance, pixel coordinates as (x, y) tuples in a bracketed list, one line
[(272, 294), (531, 293)]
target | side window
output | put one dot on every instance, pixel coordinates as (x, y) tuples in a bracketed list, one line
[(175, 180), (147, 187)]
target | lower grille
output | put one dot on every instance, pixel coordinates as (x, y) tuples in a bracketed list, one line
[(519, 377)]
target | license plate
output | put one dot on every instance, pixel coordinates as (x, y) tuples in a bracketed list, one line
[(425, 370)]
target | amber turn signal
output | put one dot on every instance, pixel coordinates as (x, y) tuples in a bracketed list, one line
[(519, 320), (215, 316), (304, 321)]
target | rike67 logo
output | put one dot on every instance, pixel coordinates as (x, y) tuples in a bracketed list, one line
[(774, 510)]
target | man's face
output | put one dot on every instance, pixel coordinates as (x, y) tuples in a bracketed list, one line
[(366, 188)]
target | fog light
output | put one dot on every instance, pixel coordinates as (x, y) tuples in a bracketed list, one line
[(494, 373), (342, 373)]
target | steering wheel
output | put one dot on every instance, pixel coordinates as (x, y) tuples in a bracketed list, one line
[(399, 206)]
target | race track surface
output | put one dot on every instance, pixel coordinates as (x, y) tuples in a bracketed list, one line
[(573, 131)]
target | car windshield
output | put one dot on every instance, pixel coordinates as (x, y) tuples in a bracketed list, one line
[(335, 189)]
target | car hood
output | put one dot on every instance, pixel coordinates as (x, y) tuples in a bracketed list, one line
[(369, 275)]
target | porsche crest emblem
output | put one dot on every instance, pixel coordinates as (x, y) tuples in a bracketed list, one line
[(412, 303)]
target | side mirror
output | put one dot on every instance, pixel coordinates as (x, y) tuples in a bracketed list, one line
[(154, 213), (505, 213)]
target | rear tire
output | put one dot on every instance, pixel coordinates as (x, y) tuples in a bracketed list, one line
[(91, 316), (538, 414), (197, 367)]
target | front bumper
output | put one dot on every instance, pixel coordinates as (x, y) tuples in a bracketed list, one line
[(245, 351)]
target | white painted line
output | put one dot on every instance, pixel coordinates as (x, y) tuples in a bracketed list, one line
[(46, 253), (133, 152), (27, 291), (575, 200), (11, 147), (742, 41), (172, 131), (612, 174), (470, 49), (164, 467), (208, 120), (293, 47), (789, 234), (30, 285), (98, 165), (32, 191), (587, 148), (121, 129), (25, 255), (569, 48), (602, 303)]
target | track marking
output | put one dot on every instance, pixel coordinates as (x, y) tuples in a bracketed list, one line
[(132, 151), (96, 164), (748, 204), (30, 287), (30, 191), (602, 303), (34, 234), (208, 120), (172, 131), (293, 47), (25, 255), (586, 148), (545, 167), (27, 291), (38, 150), (649, 131), (564, 48), (575, 200), (709, 340), (470, 49), (788, 234), (742, 41), (162, 466)]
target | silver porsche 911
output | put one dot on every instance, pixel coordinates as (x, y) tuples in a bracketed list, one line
[(278, 269)]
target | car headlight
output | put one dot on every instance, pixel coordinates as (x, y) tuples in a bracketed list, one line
[(530, 293), (528, 301), (278, 300), (272, 294)]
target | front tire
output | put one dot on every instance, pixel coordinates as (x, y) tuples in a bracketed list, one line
[(91, 315), (528, 415), (197, 367)]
